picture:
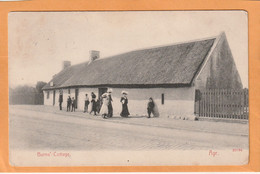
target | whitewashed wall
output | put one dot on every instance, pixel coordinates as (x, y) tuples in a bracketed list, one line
[(57, 97), (65, 96), (48, 101), (177, 101)]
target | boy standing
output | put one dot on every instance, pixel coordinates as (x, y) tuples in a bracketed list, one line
[(73, 104), (68, 103)]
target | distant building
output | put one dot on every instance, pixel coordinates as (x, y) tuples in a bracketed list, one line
[(169, 74)]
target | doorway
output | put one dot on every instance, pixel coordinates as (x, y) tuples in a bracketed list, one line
[(53, 97), (101, 91)]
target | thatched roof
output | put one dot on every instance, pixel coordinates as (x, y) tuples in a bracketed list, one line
[(174, 65)]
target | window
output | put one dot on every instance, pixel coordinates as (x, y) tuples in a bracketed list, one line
[(48, 94), (68, 91), (162, 99)]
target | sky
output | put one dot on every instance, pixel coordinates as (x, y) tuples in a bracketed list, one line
[(38, 42)]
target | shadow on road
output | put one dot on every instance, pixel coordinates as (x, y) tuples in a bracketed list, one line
[(120, 118)]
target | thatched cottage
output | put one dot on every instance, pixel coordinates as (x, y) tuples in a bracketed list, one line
[(170, 74)]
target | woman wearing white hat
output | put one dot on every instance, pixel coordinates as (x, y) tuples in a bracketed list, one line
[(104, 107), (124, 101)]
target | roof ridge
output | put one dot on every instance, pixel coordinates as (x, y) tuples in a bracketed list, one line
[(161, 46), (150, 48)]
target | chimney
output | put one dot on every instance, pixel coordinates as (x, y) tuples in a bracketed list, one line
[(93, 55), (66, 64)]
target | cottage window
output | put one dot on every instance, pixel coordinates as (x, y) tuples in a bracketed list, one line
[(162, 99), (48, 94)]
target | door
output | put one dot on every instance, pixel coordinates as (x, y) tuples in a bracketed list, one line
[(101, 91), (76, 97), (53, 97)]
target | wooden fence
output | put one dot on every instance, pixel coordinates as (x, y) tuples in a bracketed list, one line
[(222, 103)]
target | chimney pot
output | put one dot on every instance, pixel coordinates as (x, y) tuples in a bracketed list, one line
[(66, 64), (94, 55)]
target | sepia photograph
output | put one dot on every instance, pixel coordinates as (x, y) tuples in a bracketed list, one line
[(128, 88)]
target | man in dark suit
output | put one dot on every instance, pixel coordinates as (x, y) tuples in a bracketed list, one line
[(60, 101)]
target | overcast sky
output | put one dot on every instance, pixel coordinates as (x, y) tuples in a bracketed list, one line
[(40, 41)]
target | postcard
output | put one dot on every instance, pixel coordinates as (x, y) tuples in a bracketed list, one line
[(128, 88)]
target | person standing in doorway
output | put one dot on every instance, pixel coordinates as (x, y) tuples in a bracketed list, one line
[(110, 107), (60, 99), (68, 103), (99, 103), (150, 107), (124, 101), (86, 103), (93, 102)]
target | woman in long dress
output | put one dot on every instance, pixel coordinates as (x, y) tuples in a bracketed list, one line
[(150, 107), (124, 101), (110, 100), (104, 107)]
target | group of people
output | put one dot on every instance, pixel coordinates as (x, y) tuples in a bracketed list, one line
[(106, 109), (103, 105), (94, 104), (71, 104)]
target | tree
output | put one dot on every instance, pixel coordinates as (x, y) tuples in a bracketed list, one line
[(23, 90), (39, 86), (27, 94)]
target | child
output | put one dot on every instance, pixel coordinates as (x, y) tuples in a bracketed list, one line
[(150, 107), (73, 104)]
